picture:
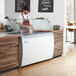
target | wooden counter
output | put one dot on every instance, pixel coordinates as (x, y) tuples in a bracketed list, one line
[(9, 52), (58, 42), (57, 30)]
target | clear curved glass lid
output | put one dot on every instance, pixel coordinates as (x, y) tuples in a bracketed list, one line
[(38, 24)]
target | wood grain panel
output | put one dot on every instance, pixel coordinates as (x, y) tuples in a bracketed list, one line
[(58, 43), (58, 39), (8, 67), (9, 53), (58, 52), (8, 40), (6, 43), (58, 35)]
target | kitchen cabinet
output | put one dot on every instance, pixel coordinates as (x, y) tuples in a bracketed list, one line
[(9, 53), (58, 42)]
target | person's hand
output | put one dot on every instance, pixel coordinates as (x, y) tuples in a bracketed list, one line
[(34, 30), (30, 27)]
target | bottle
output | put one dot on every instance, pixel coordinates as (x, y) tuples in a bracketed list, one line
[(2, 27)]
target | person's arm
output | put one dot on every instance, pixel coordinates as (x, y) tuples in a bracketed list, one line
[(31, 24), (24, 26), (32, 27), (20, 23)]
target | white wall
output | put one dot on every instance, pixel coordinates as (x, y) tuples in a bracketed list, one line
[(69, 10), (56, 17), (2, 10)]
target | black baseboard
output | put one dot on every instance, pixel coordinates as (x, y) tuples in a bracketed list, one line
[(1, 72), (56, 56)]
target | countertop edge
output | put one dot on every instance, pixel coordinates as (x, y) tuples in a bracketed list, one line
[(57, 30), (11, 36)]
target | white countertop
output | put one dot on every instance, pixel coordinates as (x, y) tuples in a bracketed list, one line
[(36, 34), (70, 27), (6, 35)]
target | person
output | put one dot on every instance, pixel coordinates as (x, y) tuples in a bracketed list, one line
[(5, 20), (25, 24)]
